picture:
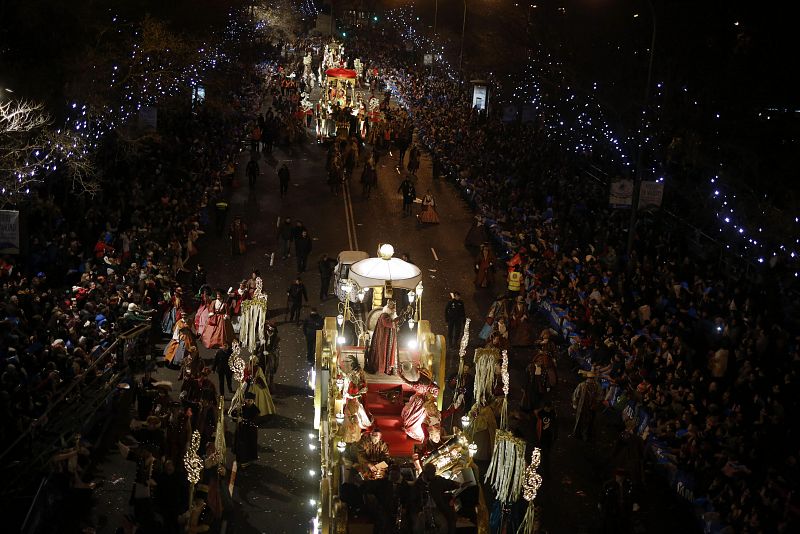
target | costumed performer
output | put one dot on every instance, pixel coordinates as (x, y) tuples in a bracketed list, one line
[(428, 211), (373, 452), (420, 416), (218, 330), (356, 417), (382, 353), (260, 388), (176, 348), (174, 313)]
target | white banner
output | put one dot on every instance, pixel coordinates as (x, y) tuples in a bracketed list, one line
[(9, 232), (651, 194), (621, 194)]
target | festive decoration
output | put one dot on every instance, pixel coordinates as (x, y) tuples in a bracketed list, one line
[(504, 376), (484, 375), (237, 365), (530, 486), (254, 319), (219, 436), (193, 463), (507, 468)]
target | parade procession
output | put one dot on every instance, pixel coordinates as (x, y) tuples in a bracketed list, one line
[(372, 267)]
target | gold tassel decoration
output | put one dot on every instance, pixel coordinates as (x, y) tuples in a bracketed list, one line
[(530, 487), (507, 467)]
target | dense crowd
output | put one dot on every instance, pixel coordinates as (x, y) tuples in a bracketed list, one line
[(112, 261), (710, 358)]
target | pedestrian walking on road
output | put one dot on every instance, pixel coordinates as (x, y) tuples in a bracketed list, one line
[(455, 315), (223, 369), (283, 178), (586, 401), (368, 178), (427, 214), (402, 142), (326, 267), (546, 434), (312, 323), (302, 248), (286, 235), (252, 172), (295, 296), (238, 236), (413, 160), (220, 214), (409, 195)]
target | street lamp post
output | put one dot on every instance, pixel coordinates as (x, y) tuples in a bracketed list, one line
[(463, 28), (637, 181), (435, 17)]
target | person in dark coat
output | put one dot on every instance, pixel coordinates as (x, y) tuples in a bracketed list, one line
[(312, 323), (223, 369), (295, 296), (283, 179), (302, 247), (546, 434), (171, 497), (409, 195), (326, 267), (431, 487), (455, 315), (617, 504), (246, 445), (252, 172), (286, 235)]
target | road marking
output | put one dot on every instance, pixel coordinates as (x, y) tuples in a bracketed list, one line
[(433, 251), (351, 214), (347, 221)]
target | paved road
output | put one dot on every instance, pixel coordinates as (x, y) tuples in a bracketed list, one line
[(274, 493)]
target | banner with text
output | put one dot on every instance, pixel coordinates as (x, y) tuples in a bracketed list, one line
[(9, 232), (621, 194)]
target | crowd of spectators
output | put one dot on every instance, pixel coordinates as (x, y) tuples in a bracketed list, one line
[(710, 357), (109, 262)]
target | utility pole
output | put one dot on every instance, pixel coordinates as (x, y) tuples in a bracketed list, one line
[(463, 28), (435, 17)]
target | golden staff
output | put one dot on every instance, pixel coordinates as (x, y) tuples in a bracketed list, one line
[(193, 464), (219, 438)]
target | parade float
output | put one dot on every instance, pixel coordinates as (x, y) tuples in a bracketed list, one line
[(340, 352)]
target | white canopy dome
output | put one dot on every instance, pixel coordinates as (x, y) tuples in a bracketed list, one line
[(374, 272)]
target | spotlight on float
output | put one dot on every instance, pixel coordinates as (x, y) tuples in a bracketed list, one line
[(465, 421), (411, 324), (339, 418), (340, 319), (411, 297), (312, 502), (340, 383), (472, 449), (340, 340), (412, 343), (341, 446), (361, 295)]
